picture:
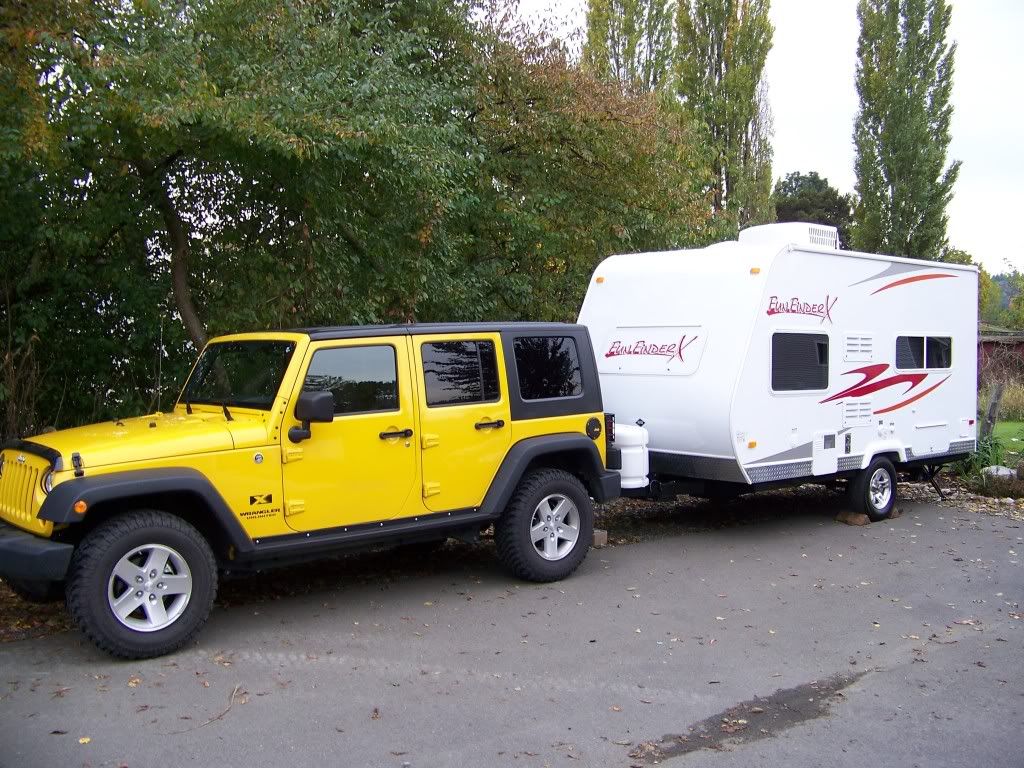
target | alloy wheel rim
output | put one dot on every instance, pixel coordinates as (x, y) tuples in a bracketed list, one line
[(555, 527), (149, 588), (880, 489)]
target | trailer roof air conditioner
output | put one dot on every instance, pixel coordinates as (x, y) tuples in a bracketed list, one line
[(796, 233)]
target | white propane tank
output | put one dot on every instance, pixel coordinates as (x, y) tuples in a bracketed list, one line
[(632, 441)]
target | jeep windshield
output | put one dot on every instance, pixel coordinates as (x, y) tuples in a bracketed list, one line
[(243, 374)]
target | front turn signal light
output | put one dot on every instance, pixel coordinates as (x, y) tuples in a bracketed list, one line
[(80, 507)]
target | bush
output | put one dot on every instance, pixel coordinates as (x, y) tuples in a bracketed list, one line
[(990, 451), (1011, 406), (1000, 487)]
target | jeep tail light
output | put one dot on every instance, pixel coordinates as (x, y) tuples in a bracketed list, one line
[(609, 427)]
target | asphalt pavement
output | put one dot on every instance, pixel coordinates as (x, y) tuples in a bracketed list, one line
[(793, 641)]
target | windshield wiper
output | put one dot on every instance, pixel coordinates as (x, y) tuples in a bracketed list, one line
[(227, 413)]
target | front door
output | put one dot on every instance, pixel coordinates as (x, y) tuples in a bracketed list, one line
[(465, 415), (362, 467)]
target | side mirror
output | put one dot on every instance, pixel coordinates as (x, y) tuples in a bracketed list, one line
[(310, 407)]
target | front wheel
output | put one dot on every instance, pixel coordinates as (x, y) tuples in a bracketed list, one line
[(142, 584), (547, 527), (873, 490)]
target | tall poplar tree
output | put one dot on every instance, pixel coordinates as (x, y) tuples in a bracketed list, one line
[(904, 79), (630, 41), (721, 48)]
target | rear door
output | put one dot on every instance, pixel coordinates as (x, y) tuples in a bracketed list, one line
[(464, 408)]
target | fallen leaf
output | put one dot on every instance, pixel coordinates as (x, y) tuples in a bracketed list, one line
[(133, 681), (58, 733), (615, 708), (84, 740), (375, 715)]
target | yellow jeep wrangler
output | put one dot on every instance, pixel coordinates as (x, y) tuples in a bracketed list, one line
[(289, 446)]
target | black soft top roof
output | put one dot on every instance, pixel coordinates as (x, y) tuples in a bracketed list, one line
[(418, 329)]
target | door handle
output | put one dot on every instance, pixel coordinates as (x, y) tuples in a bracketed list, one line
[(490, 424), (400, 433)]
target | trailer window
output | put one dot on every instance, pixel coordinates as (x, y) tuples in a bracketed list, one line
[(459, 372), (938, 352), (548, 367), (799, 361), (910, 351), (924, 352)]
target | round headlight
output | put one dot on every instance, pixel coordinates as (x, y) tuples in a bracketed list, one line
[(47, 481)]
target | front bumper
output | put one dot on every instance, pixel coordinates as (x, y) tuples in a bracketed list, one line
[(25, 556)]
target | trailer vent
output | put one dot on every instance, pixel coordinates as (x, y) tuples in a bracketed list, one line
[(857, 348), (857, 413), (826, 237)]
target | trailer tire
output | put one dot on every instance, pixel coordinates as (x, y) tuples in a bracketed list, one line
[(547, 527), (873, 490), (128, 556)]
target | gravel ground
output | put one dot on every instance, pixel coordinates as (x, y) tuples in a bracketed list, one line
[(627, 521)]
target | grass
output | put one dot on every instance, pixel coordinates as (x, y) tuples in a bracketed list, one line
[(1005, 430)]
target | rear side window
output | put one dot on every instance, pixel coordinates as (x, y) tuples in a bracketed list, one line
[(460, 372), (548, 367), (799, 361), (910, 351), (362, 379), (924, 352)]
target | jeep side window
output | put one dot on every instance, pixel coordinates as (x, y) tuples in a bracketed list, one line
[(362, 379), (459, 372), (548, 367)]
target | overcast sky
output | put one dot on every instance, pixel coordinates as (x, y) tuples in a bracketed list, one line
[(810, 74)]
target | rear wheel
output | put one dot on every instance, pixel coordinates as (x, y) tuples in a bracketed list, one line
[(142, 584), (873, 490), (35, 591), (547, 527)]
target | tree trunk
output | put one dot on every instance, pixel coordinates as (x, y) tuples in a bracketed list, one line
[(993, 410), (179, 269)]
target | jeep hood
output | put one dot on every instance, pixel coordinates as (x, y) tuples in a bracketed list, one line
[(144, 438)]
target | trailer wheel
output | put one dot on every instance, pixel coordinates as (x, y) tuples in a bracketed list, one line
[(547, 527), (873, 490), (142, 584)]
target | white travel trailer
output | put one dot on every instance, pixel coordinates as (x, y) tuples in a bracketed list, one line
[(778, 358)]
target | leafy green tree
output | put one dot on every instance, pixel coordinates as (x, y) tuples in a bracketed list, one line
[(720, 56), (902, 131), (576, 168), (990, 298), (808, 197), (630, 41)]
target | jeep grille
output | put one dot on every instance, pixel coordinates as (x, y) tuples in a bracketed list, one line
[(19, 486)]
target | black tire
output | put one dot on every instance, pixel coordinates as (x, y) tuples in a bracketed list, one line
[(36, 591), (512, 531), (91, 578), (873, 490)]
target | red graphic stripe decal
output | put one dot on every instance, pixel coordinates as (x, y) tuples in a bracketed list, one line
[(867, 384), (916, 397), (907, 280)]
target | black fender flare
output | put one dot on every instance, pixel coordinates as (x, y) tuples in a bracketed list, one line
[(58, 507), (604, 484)]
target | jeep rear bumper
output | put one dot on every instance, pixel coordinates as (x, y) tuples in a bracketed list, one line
[(25, 556), (609, 486)]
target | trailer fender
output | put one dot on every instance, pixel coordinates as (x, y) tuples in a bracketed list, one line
[(877, 448)]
